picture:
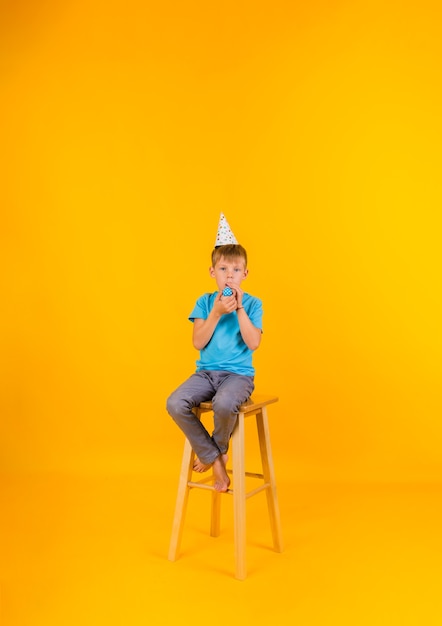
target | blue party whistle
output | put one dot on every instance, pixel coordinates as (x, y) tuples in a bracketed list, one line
[(227, 291)]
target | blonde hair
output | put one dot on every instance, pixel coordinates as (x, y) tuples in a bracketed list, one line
[(229, 251)]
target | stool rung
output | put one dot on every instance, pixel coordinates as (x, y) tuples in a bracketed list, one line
[(207, 479), (253, 475), (249, 474), (201, 485), (257, 490), (229, 471)]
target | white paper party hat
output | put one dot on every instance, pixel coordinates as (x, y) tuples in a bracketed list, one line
[(224, 235)]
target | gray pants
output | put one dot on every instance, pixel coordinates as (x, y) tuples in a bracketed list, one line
[(227, 392)]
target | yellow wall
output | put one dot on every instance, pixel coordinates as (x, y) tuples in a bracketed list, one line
[(127, 127)]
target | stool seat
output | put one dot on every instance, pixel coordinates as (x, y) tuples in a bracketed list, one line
[(257, 406), (254, 403)]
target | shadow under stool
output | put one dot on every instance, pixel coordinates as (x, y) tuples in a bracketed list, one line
[(257, 406)]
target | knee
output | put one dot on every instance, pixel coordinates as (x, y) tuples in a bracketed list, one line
[(172, 405), (176, 406), (225, 406)]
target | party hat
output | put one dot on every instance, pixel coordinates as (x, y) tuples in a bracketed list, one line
[(224, 235)]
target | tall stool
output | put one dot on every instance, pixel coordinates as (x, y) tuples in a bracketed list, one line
[(257, 406)]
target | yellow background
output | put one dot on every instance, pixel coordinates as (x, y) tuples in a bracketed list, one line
[(126, 128)]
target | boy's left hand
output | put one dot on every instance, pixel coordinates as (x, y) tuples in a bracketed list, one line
[(238, 293)]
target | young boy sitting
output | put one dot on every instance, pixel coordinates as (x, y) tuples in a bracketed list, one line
[(227, 329)]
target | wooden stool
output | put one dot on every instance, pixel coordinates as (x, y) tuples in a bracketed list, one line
[(256, 405)]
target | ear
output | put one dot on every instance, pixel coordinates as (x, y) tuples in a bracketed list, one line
[(246, 273), (212, 272)]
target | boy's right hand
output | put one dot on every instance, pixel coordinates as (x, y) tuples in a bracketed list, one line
[(225, 304)]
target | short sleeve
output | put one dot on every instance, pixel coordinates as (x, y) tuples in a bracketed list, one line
[(201, 309)]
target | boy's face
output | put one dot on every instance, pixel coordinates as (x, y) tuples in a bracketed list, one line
[(229, 272)]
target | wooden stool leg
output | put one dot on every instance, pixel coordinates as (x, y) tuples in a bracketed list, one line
[(239, 498), (181, 500), (269, 477)]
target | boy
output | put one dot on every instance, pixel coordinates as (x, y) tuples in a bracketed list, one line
[(227, 329)]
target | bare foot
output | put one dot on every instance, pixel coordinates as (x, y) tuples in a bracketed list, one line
[(222, 480), (199, 466)]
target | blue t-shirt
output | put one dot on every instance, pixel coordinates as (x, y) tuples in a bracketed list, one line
[(226, 349)]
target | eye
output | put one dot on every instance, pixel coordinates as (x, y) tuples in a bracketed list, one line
[(237, 269)]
